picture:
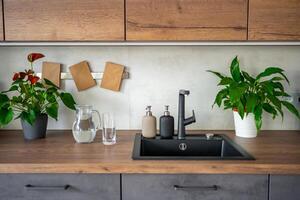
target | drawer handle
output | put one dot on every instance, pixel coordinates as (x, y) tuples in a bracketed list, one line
[(213, 187), (37, 187)]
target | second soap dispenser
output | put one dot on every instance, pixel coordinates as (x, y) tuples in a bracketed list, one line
[(166, 125)]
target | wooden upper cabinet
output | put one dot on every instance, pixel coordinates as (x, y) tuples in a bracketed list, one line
[(64, 20), (186, 20), (1, 22), (274, 20)]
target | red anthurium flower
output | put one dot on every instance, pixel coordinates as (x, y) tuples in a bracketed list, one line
[(16, 76), (29, 77), (34, 56), (33, 79), (22, 75)]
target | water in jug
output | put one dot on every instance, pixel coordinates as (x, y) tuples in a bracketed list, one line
[(84, 128)]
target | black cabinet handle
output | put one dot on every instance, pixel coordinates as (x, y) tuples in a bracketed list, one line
[(213, 187), (38, 187)]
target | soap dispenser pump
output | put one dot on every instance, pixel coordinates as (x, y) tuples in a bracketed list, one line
[(149, 124), (166, 125)]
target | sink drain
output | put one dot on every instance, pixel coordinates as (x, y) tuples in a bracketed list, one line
[(182, 146)]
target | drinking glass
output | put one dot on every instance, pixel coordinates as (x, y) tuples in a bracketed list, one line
[(108, 129)]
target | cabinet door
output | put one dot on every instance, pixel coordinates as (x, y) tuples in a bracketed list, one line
[(186, 20), (1, 22), (195, 187), (284, 187), (274, 20), (59, 187), (64, 20)]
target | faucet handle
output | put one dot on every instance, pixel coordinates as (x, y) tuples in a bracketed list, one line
[(184, 92), (193, 117), (190, 120)]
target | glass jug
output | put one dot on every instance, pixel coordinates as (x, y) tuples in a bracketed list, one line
[(84, 129)]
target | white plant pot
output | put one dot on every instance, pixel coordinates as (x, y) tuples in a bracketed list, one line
[(244, 127)]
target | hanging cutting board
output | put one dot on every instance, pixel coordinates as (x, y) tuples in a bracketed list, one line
[(112, 77)]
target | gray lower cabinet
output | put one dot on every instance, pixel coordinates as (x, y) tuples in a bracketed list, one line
[(194, 187), (59, 187), (284, 187)]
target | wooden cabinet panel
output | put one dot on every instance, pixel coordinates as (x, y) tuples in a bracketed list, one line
[(60, 186), (284, 187), (64, 20), (194, 187), (186, 20), (274, 20), (1, 22)]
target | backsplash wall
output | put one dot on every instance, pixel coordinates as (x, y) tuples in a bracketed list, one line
[(156, 75)]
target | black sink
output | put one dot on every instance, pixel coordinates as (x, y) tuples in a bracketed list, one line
[(193, 147)]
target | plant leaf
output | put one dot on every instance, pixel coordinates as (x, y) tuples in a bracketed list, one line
[(225, 81), (4, 100), (272, 70), (6, 115), (281, 94), (258, 116), (248, 77), (52, 110), (277, 78), (251, 103), (68, 100), (291, 108), (49, 83), (241, 109), (236, 91), (270, 109), (216, 73), (274, 100), (220, 96), (29, 116), (235, 70), (278, 85), (51, 98), (12, 88), (39, 85), (268, 87)]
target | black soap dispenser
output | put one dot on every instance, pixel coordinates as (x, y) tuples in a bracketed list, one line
[(166, 125)]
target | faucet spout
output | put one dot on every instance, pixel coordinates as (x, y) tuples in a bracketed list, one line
[(182, 121)]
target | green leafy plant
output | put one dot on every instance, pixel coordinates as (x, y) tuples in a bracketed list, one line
[(247, 94), (32, 97)]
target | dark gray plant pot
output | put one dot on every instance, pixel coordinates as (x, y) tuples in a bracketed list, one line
[(37, 130)]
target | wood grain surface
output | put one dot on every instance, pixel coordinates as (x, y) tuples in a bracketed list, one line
[(186, 20), (112, 76), (64, 20), (276, 152), (274, 20), (82, 76), (1, 22), (51, 71)]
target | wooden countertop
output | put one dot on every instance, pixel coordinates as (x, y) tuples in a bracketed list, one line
[(276, 152)]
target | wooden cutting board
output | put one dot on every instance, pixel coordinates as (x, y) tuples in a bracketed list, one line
[(51, 71), (82, 76), (112, 77)]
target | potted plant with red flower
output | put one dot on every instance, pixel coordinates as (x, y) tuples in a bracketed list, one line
[(33, 100)]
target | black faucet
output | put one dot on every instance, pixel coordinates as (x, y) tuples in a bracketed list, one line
[(182, 122)]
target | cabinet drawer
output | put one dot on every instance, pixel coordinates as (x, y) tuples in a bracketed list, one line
[(284, 187), (59, 187), (195, 187)]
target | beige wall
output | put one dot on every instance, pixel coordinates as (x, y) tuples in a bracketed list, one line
[(157, 73)]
